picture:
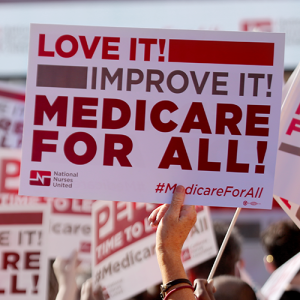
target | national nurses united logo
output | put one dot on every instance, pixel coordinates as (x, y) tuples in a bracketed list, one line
[(42, 178)]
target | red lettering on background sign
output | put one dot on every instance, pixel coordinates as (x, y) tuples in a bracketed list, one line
[(286, 202), (6, 175), (120, 224)]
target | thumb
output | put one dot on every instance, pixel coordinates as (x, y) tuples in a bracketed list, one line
[(177, 201), (74, 260)]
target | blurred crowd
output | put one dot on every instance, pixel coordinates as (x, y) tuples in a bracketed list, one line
[(281, 241)]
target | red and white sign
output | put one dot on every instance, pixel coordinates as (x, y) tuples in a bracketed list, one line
[(292, 209), (280, 278), (124, 246), (288, 157), (289, 83), (12, 104), (126, 114), (70, 225), (23, 250), (70, 219)]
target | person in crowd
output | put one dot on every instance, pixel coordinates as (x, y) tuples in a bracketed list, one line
[(231, 255), (232, 288), (174, 223), (281, 241)]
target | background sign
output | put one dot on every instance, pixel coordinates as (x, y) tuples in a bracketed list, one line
[(292, 209), (124, 246), (24, 245), (11, 115), (288, 157), (70, 219), (126, 114)]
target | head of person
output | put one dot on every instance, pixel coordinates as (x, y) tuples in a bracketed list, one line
[(229, 259), (290, 295), (232, 288), (281, 241)]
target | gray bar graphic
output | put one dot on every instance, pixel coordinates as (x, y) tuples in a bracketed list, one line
[(94, 78), (289, 149), (62, 76)]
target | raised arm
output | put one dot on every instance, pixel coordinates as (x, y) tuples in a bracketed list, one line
[(174, 223)]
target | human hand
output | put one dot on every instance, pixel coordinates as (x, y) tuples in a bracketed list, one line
[(174, 222), (87, 291), (157, 215), (65, 272), (204, 290)]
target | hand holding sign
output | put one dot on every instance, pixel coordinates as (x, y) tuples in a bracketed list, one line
[(204, 290), (172, 232), (124, 245), (175, 225)]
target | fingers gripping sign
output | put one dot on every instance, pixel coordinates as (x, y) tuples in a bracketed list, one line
[(173, 222), (204, 290)]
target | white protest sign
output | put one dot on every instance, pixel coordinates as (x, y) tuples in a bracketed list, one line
[(292, 209), (288, 157), (289, 83), (70, 219), (124, 247), (280, 278), (126, 114), (12, 104), (23, 250), (70, 226)]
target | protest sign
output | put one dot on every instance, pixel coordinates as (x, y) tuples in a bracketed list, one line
[(23, 244), (70, 219), (280, 278), (70, 226), (12, 103), (289, 83), (124, 247), (126, 114), (292, 209), (288, 163)]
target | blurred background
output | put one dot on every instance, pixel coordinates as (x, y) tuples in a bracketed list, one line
[(242, 15)]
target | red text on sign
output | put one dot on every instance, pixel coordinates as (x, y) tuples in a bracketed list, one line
[(109, 47)]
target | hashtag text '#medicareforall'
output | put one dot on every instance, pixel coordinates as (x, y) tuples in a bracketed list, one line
[(194, 189)]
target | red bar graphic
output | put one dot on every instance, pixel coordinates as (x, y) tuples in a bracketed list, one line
[(221, 52), (12, 95), (33, 218)]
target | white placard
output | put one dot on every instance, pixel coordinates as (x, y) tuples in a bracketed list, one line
[(23, 249), (124, 246), (70, 219), (288, 158), (280, 278), (71, 226), (287, 86), (12, 104), (126, 114)]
